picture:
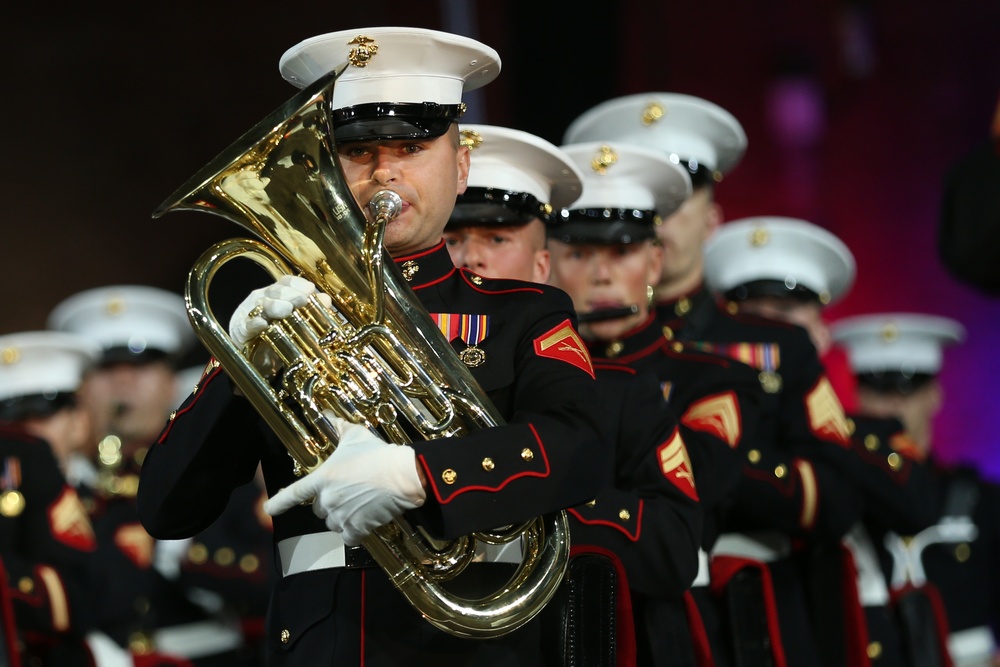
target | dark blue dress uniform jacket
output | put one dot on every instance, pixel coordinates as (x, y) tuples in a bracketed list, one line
[(549, 456)]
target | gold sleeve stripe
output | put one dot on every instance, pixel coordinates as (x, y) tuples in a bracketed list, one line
[(58, 604), (810, 493)]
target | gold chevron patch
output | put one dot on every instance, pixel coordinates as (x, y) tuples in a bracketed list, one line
[(135, 542), (69, 523), (718, 415), (563, 343), (676, 465), (826, 414)]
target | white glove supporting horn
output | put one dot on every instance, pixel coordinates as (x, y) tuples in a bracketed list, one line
[(364, 484)]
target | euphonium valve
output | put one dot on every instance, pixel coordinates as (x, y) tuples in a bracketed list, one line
[(374, 357)]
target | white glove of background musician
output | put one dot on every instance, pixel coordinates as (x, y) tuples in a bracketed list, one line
[(270, 303), (364, 484)]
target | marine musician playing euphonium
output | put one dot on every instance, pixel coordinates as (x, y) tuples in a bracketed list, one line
[(394, 119)]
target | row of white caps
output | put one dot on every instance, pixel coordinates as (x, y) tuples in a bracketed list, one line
[(133, 318)]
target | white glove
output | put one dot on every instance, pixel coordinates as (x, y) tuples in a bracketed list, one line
[(364, 484), (270, 303)]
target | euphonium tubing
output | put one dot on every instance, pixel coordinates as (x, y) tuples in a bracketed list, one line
[(282, 182)]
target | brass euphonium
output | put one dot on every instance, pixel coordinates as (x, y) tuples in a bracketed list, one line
[(375, 357)]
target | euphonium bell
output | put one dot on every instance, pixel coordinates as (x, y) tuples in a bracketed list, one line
[(375, 357)]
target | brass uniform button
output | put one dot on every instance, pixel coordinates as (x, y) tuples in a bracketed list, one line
[(668, 333), (488, 464), (286, 636), (753, 456), (249, 563), (614, 349), (140, 643), (682, 307), (12, 503), (592, 503), (624, 515), (732, 308), (449, 476), (874, 650), (197, 553), (851, 426), (962, 552), (224, 556), (780, 471), (25, 585), (871, 442), (527, 454), (895, 461)]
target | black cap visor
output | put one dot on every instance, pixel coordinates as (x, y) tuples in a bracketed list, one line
[(771, 288), (608, 226), (894, 381), (479, 206), (381, 120)]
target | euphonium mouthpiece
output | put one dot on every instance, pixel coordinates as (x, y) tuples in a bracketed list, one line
[(385, 204)]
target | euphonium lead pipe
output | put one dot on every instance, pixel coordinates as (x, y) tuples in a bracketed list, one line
[(607, 314)]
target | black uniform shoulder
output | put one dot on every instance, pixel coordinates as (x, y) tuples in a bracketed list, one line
[(14, 440), (515, 290)]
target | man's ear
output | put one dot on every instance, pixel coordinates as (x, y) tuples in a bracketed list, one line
[(655, 251), (543, 266), (463, 168), (713, 218)]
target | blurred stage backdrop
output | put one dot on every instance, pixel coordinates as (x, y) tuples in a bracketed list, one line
[(854, 111)]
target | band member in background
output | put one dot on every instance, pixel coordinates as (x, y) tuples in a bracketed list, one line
[(897, 358), (46, 541), (394, 118), (803, 420), (605, 256), (788, 270), (147, 609), (648, 517)]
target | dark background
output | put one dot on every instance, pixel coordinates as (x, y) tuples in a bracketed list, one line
[(854, 110)]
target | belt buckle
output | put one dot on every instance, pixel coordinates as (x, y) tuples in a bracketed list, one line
[(357, 558)]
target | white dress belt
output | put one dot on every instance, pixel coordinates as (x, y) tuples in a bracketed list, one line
[(704, 577), (196, 640), (765, 546), (320, 551), (972, 648)]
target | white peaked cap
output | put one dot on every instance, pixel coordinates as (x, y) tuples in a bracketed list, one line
[(788, 250), (392, 64), (620, 175), (681, 126), (135, 317), (43, 362), (509, 159), (905, 342)]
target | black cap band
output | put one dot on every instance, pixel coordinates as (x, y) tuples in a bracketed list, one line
[(493, 206), (604, 225), (383, 120), (20, 408), (124, 355), (771, 288), (699, 173), (894, 381)]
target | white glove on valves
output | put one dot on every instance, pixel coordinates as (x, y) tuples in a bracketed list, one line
[(364, 484), (270, 303)]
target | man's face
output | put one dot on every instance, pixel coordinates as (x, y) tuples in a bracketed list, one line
[(131, 400), (428, 174), (683, 234), (806, 314), (599, 277), (512, 252)]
